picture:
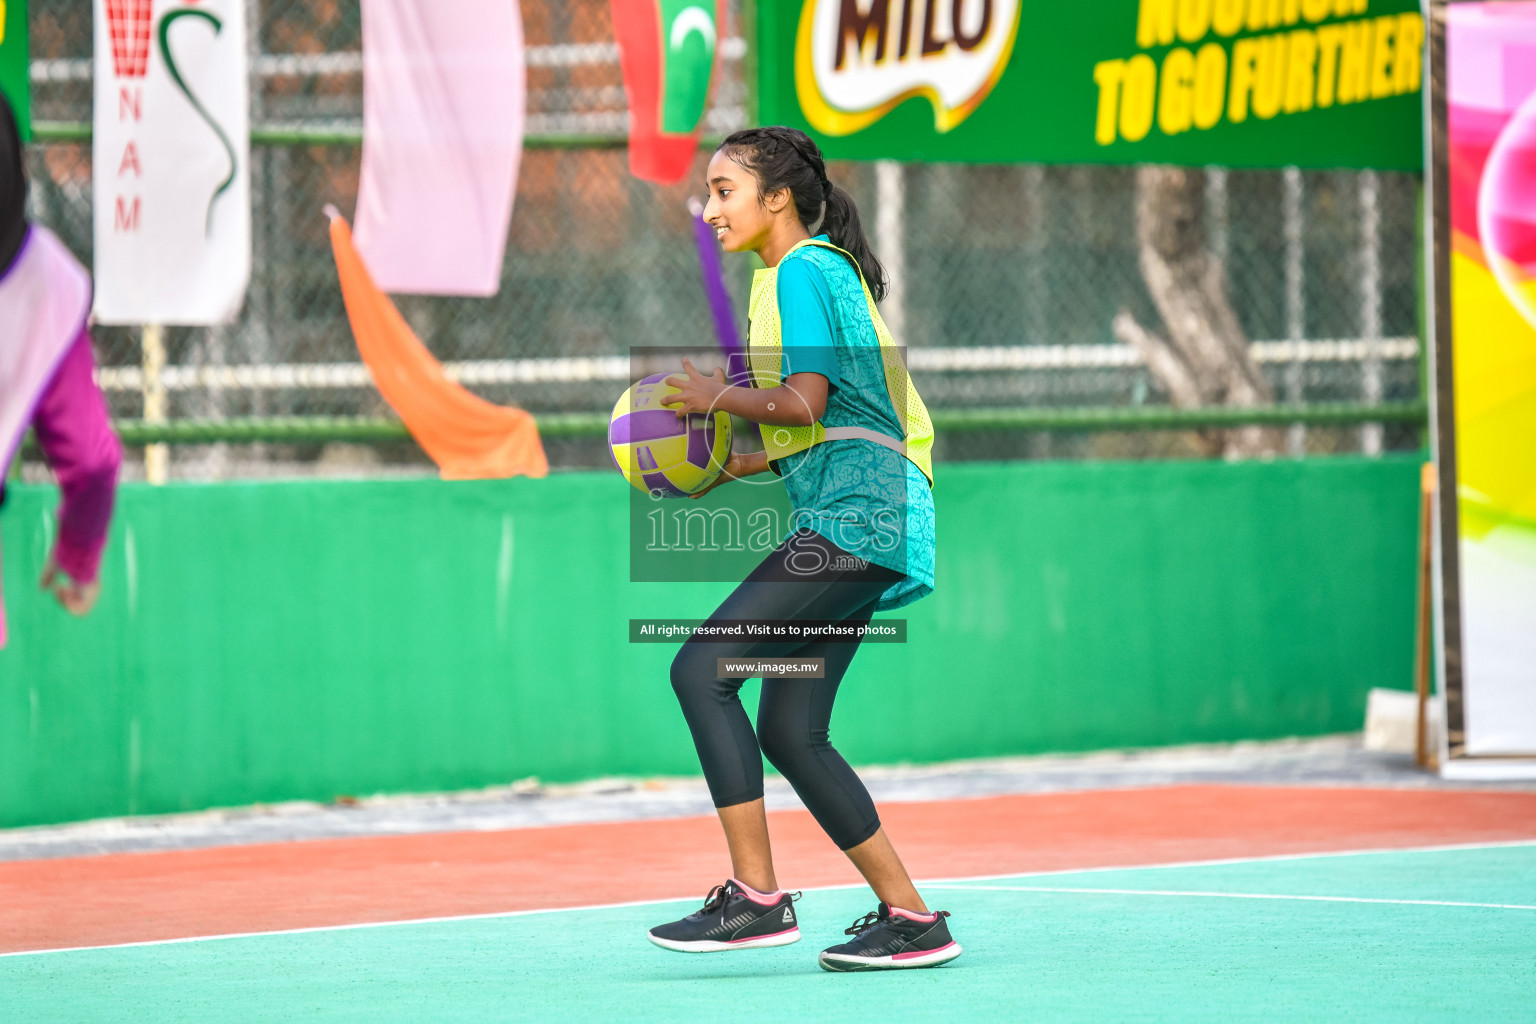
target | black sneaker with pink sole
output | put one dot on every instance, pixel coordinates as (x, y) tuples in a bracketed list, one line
[(889, 939), (733, 917)]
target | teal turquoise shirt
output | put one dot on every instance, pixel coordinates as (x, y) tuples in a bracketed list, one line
[(867, 499)]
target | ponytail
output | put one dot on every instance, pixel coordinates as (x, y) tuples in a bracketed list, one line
[(843, 228), (782, 157)]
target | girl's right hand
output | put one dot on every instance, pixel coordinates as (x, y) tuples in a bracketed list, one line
[(736, 467)]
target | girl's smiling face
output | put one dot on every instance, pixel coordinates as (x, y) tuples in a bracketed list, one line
[(742, 219)]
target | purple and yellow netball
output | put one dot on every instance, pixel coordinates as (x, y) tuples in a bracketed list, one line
[(660, 453)]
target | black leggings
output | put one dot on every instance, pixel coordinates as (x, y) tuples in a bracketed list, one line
[(793, 714)]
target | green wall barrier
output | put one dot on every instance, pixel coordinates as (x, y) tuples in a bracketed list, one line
[(258, 642)]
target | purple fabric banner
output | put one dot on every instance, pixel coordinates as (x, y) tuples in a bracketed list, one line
[(714, 290), (713, 276), (443, 104)]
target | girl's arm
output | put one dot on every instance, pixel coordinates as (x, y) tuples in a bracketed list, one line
[(808, 337), (798, 402), (77, 440), (738, 466)]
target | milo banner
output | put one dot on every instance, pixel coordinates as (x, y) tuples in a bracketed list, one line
[(13, 61), (667, 52), (1256, 83), (171, 161), (1488, 435)]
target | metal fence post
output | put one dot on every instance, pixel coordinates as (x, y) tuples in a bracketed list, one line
[(1295, 303), (1370, 305), (1216, 212), (890, 218), (157, 457)]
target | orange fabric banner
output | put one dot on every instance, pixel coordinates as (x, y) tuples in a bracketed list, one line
[(468, 437)]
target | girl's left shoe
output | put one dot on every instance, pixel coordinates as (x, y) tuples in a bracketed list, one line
[(733, 917), (887, 940)]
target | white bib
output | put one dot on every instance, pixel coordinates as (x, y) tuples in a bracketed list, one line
[(45, 297)]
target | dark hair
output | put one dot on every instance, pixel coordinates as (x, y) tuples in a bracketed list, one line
[(780, 157)]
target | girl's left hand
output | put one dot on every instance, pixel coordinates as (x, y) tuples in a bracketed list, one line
[(76, 597), (696, 392)]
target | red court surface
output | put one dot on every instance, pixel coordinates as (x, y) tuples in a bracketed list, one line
[(134, 897)]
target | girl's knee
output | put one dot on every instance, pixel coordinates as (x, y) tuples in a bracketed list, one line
[(690, 662), (695, 676), (782, 744), (688, 672)]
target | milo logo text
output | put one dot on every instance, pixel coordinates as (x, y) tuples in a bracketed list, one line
[(856, 60)]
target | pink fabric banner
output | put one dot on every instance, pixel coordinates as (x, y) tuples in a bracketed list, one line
[(443, 104)]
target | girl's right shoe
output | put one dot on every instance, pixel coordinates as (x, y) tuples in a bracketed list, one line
[(733, 917), (888, 939)]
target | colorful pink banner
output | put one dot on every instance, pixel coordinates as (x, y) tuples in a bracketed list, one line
[(443, 105), (1491, 87)]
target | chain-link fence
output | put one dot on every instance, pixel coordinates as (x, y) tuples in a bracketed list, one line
[(1006, 279)]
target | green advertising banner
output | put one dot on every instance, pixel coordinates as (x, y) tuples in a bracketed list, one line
[(1243, 83), (13, 61)]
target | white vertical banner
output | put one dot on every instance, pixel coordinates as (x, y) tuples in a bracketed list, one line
[(171, 161)]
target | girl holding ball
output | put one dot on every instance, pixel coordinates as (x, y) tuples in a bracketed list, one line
[(850, 438)]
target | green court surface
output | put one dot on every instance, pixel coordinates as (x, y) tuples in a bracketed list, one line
[(1181, 943)]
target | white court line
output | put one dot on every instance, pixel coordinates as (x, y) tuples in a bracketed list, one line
[(357, 927), (1219, 861), (930, 883), (1228, 895)]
